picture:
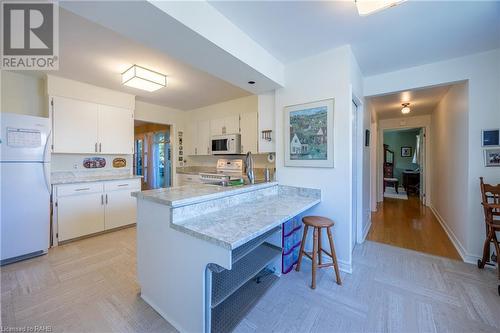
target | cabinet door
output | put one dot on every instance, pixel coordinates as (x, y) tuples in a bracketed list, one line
[(80, 215), (74, 126), (203, 137), (216, 126), (249, 132), (232, 124), (120, 209), (115, 130), (189, 140)]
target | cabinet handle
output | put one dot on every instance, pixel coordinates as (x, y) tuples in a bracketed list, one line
[(99, 147), (95, 147), (82, 189), (102, 199), (122, 185), (196, 151), (106, 199)]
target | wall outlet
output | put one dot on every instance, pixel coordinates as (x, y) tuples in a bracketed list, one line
[(75, 166)]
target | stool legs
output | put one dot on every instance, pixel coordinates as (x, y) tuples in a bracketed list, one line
[(304, 237), (334, 257), (314, 255)]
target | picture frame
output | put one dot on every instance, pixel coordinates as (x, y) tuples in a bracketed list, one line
[(490, 137), (406, 151), (309, 134), (492, 157)]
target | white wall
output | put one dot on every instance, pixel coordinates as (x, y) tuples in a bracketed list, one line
[(482, 71), (327, 75), (24, 94), (58, 86), (224, 109), (450, 163)]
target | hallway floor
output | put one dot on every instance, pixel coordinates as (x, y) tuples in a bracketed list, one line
[(410, 225)]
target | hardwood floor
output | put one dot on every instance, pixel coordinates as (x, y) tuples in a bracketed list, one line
[(90, 286), (410, 225)]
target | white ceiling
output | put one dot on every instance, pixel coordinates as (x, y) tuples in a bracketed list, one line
[(422, 102), (93, 54), (413, 33)]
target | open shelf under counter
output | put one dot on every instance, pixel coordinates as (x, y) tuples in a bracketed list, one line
[(227, 282)]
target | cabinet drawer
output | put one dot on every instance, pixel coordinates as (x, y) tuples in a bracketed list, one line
[(133, 184), (81, 188), (188, 179)]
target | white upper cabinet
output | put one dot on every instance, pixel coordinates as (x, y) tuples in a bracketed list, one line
[(85, 127), (232, 124), (249, 132), (226, 125), (189, 139), (203, 138), (115, 130), (74, 126)]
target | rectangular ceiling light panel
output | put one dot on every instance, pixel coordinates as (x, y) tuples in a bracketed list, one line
[(143, 78), (367, 7)]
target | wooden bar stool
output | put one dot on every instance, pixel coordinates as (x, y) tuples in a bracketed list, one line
[(318, 223)]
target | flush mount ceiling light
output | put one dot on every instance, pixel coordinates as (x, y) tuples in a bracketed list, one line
[(143, 78), (406, 108), (367, 7)]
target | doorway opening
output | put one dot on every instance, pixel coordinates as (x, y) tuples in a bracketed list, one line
[(413, 189), (152, 154)]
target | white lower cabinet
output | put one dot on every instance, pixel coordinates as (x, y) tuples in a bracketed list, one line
[(79, 215), (186, 179), (84, 209)]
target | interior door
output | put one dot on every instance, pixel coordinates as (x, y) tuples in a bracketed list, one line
[(74, 126), (422, 139), (115, 130), (79, 215), (120, 209)]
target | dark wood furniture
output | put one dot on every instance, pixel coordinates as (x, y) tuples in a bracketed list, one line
[(389, 169), (318, 223), (411, 182), (490, 195)]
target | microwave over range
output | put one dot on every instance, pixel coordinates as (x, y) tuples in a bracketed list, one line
[(226, 144)]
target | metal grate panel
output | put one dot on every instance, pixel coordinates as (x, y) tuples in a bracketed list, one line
[(229, 313)]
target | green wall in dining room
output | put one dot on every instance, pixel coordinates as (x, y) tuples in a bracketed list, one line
[(402, 138)]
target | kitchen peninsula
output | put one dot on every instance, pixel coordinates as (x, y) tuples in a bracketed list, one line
[(206, 253)]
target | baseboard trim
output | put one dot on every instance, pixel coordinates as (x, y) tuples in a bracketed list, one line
[(366, 231), (466, 257)]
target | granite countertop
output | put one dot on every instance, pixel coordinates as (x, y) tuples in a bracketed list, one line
[(195, 170), (234, 226), (196, 193), (73, 178)]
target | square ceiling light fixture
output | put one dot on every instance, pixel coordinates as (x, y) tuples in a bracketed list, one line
[(367, 7), (143, 78)]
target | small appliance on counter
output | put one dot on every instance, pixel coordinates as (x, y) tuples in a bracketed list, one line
[(226, 144), (228, 172), (25, 185)]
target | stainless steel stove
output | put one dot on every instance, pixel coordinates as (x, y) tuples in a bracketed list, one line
[(227, 170)]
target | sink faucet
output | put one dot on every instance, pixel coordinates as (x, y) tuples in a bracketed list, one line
[(249, 166)]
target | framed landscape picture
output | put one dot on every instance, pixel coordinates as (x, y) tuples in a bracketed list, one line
[(309, 134)]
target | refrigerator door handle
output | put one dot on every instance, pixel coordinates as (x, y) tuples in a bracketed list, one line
[(46, 149), (46, 175)]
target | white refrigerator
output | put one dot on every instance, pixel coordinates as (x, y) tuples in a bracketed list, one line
[(25, 186)]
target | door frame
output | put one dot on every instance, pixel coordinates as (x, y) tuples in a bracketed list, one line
[(410, 122), (356, 164)]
